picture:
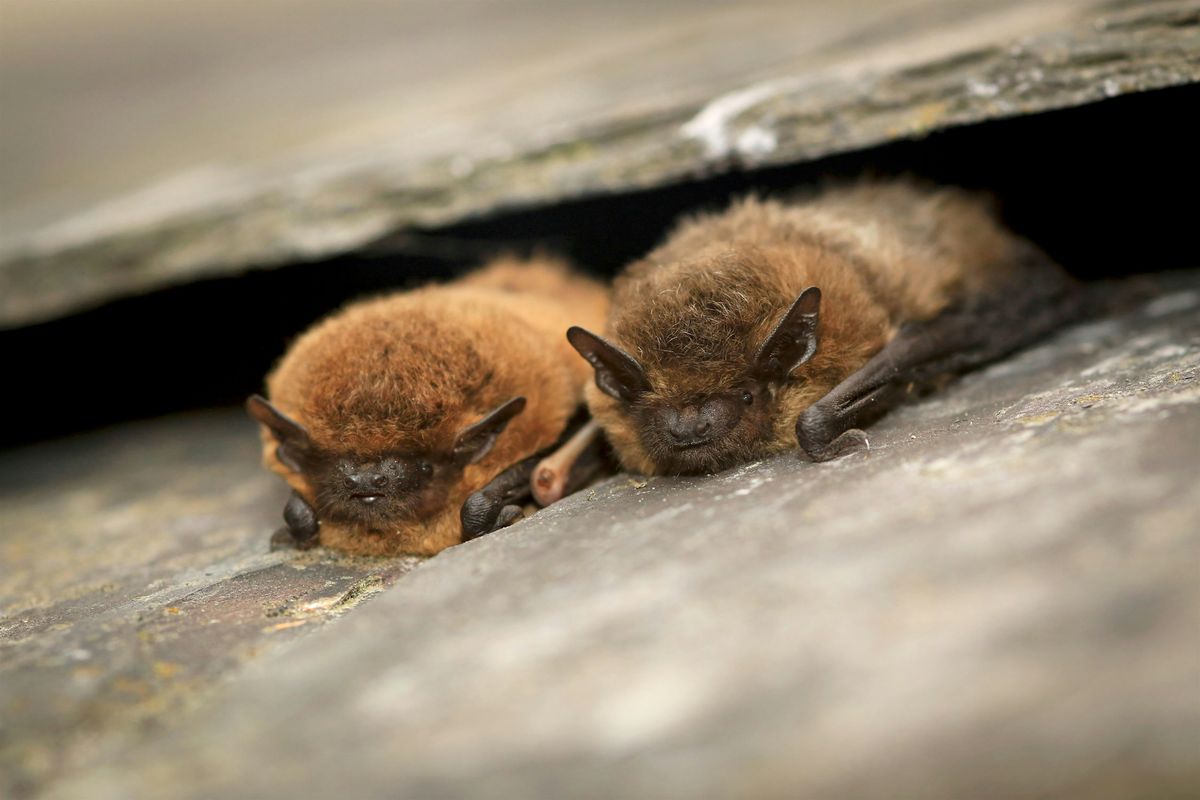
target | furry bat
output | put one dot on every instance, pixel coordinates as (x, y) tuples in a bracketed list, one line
[(407, 423), (776, 323)]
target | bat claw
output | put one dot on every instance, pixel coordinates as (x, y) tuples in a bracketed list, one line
[(849, 441), (508, 515)]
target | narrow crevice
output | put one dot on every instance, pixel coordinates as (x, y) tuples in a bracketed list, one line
[(1107, 189)]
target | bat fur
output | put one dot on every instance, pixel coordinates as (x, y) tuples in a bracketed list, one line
[(405, 374), (886, 256)]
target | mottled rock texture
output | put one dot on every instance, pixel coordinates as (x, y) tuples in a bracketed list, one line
[(134, 574), (1001, 599), (536, 108)]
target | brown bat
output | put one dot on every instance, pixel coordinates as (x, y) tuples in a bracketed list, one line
[(407, 423), (776, 322)]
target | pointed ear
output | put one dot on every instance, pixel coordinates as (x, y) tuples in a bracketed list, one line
[(618, 374), (294, 444), (474, 441), (793, 340)]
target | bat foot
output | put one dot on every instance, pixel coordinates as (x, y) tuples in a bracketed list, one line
[(479, 514), (483, 514), (286, 539), (301, 524), (495, 505)]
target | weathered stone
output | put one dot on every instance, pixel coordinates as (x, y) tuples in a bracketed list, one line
[(999, 600), (856, 77), (136, 575)]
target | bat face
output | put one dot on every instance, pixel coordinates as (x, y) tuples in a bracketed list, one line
[(379, 491), (704, 432), (689, 423)]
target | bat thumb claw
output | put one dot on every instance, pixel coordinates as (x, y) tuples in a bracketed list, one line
[(847, 442), (509, 515)]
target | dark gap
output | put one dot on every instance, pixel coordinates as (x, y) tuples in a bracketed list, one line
[(1106, 189)]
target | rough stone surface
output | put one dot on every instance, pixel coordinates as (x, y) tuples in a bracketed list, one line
[(135, 574), (1001, 599), (820, 79)]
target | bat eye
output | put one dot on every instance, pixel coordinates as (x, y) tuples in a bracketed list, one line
[(747, 398), (425, 468)]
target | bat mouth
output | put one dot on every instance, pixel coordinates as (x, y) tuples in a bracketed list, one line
[(695, 458), (365, 507), (690, 444)]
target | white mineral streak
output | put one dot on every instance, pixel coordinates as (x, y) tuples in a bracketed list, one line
[(711, 125)]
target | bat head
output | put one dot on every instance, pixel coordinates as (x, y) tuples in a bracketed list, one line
[(379, 488), (689, 414)]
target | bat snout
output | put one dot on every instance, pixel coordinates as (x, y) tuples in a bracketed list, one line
[(367, 487), (694, 425), (686, 432), (377, 491), (697, 437), (367, 483)]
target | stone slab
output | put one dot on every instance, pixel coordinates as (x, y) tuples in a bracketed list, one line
[(135, 574), (1000, 599), (535, 109)]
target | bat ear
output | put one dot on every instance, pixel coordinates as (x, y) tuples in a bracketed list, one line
[(474, 441), (294, 444), (793, 340), (618, 374)]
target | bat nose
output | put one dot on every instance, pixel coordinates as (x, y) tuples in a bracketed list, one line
[(366, 484), (688, 426)]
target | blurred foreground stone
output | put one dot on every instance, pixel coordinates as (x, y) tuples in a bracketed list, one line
[(1002, 599)]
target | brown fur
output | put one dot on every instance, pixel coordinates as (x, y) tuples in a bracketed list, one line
[(408, 371), (694, 310)]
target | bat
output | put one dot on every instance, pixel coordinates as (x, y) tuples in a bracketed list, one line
[(776, 323), (413, 421)]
